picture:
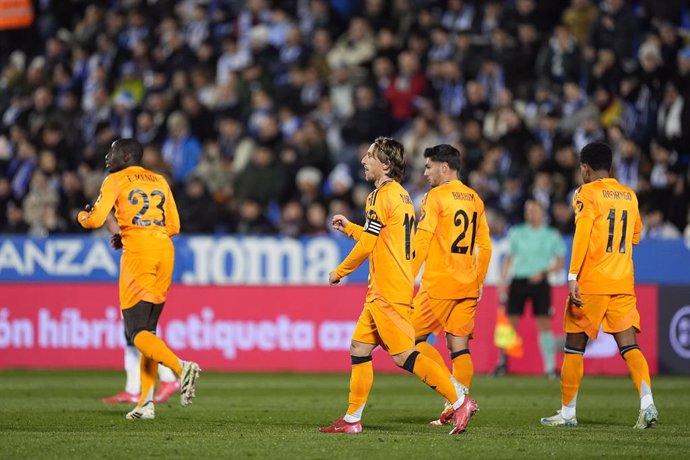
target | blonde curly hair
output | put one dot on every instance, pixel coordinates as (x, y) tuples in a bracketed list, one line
[(391, 152)]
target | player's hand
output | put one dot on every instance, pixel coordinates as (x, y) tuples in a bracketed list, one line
[(536, 278), (333, 278), (574, 290), (481, 292), (116, 241), (84, 215), (339, 222)]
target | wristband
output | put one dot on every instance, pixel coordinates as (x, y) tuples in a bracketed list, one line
[(572, 276)]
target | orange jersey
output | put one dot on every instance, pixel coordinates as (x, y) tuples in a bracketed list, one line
[(387, 239), (460, 248), (602, 256), (144, 207)]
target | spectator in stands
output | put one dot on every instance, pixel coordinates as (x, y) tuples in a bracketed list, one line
[(252, 219), (15, 219), (355, 47), (292, 220), (559, 59), (579, 18), (197, 208), (41, 197), (180, 149), (614, 28), (308, 81), (656, 226), (262, 181), (369, 118), (21, 168), (72, 200), (5, 200), (673, 120)]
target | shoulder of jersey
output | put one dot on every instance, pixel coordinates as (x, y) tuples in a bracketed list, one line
[(588, 188), (626, 188), (396, 188)]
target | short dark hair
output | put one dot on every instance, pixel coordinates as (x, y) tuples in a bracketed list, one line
[(444, 153), (391, 152), (597, 155), (131, 146)]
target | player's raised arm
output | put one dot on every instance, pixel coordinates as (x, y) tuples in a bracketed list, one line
[(95, 216)]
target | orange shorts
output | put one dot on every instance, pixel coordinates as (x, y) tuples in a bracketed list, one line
[(145, 275), (616, 313), (387, 325), (453, 316)]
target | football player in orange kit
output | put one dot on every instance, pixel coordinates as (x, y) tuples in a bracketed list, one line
[(147, 216), (601, 282), (387, 240), (453, 242)]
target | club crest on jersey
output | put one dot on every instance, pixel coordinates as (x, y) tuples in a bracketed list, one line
[(579, 205)]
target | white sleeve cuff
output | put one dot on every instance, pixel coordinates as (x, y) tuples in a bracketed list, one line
[(572, 276)]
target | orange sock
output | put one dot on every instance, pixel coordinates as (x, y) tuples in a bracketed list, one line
[(639, 370), (429, 372), (361, 380), (430, 351), (149, 373), (463, 367), (154, 348), (571, 376)]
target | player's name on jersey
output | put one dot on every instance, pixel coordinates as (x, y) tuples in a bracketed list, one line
[(616, 195), (142, 177), (464, 196)]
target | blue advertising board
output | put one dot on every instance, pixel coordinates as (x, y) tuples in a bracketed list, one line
[(234, 260)]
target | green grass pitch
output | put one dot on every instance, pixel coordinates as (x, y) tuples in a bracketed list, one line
[(46, 414)]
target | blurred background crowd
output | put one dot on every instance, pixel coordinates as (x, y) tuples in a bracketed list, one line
[(258, 112)]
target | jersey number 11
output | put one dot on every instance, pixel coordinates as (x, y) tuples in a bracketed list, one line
[(612, 223)]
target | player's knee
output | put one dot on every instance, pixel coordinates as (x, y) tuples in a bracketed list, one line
[(576, 341), (456, 343), (360, 349), (455, 354), (359, 359), (406, 360), (134, 333), (626, 348)]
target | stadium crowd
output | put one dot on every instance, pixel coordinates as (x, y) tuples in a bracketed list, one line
[(259, 112)]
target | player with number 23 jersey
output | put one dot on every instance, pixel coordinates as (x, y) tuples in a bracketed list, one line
[(147, 215)]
